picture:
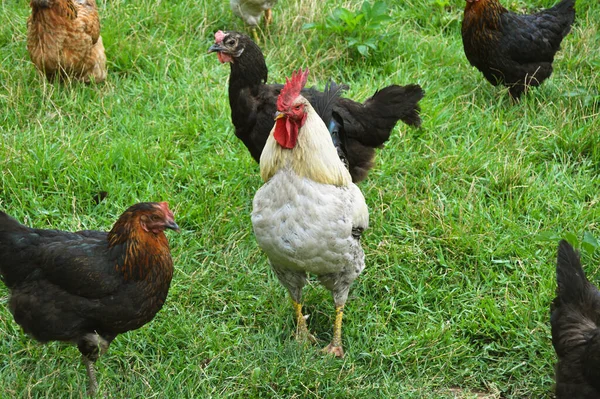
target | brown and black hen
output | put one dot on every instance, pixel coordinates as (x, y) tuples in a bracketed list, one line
[(511, 49), (575, 331), (87, 287), (357, 129)]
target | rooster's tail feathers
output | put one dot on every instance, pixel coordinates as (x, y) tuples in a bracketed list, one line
[(399, 102)]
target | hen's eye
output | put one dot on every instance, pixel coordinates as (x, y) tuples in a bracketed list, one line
[(155, 217), (230, 42)]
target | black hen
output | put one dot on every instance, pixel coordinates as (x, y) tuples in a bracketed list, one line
[(575, 332), (87, 287), (511, 49), (360, 128)]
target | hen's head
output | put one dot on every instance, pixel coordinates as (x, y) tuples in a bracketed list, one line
[(150, 217), (291, 110), (229, 45)]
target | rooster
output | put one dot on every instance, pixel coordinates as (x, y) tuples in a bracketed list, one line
[(511, 49), (361, 127), (250, 11), (87, 287), (308, 217), (575, 329), (63, 39)]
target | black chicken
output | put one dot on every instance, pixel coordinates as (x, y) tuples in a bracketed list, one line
[(357, 129), (511, 49), (575, 332), (87, 287)]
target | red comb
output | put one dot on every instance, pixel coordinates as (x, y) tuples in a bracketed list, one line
[(291, 89), (219, 36)]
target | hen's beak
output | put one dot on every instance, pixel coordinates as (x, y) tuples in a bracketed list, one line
[(170, 224), (215, 47), (279, 115)]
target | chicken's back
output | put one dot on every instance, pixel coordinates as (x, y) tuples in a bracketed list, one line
[(63, 38), (575, 331), (27, 253)]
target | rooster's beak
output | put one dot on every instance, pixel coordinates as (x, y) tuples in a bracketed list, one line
[(279, 115), (215, 47)]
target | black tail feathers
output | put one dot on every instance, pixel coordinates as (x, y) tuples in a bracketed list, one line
[(570, 278)]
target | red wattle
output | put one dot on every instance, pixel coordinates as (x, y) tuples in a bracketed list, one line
[(286, 133), (223, 58)]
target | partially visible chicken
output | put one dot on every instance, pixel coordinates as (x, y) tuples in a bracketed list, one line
[(87, 287), (308, 217), (575, 329), (361, 127), (511, 49), (63, 39), (250, 11)]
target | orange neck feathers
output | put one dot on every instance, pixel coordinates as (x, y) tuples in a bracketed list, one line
[(483, 13), (142, 253)]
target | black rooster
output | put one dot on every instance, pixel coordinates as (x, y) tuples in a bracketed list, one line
[(575, 332), (357, 129), (511, 49)]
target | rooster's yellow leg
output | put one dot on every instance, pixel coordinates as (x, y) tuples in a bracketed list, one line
[(268, 17), (335, 347), (302, 333)]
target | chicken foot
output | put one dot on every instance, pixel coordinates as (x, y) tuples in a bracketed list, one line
[(335, 347), (302, 334)]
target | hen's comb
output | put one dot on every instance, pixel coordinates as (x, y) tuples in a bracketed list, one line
[(291, 89), (219, 36), (165, 207)]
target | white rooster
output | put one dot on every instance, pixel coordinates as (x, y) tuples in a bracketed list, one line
[(308, 216)]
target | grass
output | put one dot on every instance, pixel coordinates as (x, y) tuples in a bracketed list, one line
[(454, 302)]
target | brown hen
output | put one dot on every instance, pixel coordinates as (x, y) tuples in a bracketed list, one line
[(63, 39)]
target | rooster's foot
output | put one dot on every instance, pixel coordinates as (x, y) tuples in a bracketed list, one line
[(303, 336), (337, 351)]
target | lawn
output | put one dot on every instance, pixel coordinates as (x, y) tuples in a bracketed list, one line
[(465, 211)]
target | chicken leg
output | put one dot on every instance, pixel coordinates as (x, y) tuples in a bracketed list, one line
[(335, 347), (91, 346), (302, 334), (254, 30), (93, 383), (268, 16)]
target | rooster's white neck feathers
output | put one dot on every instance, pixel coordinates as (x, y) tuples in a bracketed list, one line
[(314, 156)]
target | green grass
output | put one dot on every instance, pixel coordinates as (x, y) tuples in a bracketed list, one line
[(454, 302)]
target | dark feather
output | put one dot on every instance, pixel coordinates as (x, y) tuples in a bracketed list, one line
[(575, 332), (511, 49)]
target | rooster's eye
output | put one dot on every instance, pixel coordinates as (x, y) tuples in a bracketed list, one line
[(297, 107)]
